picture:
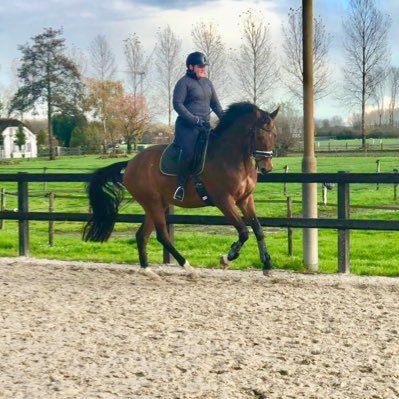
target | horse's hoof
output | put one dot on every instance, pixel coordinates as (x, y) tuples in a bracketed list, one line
[(224, 262), (150, 274), (267, 272), (191, 273)]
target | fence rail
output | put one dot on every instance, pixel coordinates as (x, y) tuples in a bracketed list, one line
[(342, 223)]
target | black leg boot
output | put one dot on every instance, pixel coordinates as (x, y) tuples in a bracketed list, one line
[(181, 179)]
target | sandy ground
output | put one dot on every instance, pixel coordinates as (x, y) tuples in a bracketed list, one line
[(80, 330)]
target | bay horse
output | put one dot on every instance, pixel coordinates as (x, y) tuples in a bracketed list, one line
[(244, 134)]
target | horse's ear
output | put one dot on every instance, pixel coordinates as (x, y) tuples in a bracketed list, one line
[(274, 113)]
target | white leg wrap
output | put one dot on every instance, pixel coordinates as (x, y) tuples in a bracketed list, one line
[(225, 261), (150, 274), (190, 270)]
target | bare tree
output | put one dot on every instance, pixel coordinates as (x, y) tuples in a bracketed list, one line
[(207, 39), (378, 95), (255, 65), (80, 60), (137, 64), (102, 61), (366, 53), (393, 83), (290, 128), (292, 62), (169, 66)]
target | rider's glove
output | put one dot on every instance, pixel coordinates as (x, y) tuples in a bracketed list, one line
[(203, 124)]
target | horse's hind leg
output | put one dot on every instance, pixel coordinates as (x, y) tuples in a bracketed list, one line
[(142, 236), (158, 217)]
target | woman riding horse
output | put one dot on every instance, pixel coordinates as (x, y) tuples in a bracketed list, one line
[(193, 95), (244, 134)]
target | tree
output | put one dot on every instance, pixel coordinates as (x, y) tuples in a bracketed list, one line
[(48, 77), (64, 124), (366, 54), (393, 82), (137, 64), (102, 61), (169, 66), (99, 98), (20, 139), (292, 63), (88, 137), (130, 117), (207, 39), (290, 128), (378, 95), (255, 65)]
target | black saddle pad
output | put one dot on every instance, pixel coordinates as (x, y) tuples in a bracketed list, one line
[(169, 162)]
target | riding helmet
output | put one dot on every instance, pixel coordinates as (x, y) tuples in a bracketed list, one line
[(196, 58)]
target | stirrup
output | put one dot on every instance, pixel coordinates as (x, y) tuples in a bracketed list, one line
[(179, 194)]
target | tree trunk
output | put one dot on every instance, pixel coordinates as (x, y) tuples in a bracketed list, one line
[(364, 100), (129, 146)]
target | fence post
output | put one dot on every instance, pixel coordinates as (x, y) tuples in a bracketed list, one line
[(51, 207), (2, 205), (286, 167), (378, 162), (289, 229), (324, 194), (395, 188), (343, 234), (45, 183), (23, 224), (171, 230)]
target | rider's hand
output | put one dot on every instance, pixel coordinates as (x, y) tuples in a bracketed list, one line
[(203, 124)]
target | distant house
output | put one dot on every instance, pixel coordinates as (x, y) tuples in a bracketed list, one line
[(9, 148)]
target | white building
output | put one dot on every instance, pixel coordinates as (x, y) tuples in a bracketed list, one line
[(9, 148)]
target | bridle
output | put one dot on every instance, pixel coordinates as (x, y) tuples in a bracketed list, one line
[(258, 155)]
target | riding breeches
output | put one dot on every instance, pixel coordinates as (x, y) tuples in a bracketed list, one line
[(186, 137)]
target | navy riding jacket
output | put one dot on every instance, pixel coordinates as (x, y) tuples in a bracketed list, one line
[(192, 100)]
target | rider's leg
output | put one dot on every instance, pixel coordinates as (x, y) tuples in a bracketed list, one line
[(182, 176), (187, 144)]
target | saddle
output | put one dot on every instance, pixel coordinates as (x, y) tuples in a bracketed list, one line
[(169, 163)]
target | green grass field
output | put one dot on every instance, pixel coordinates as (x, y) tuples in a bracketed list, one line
[(374, 253)]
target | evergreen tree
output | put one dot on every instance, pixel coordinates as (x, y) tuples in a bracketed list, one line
[(20, 138), (47, 77)]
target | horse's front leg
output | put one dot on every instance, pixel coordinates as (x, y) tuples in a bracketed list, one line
[(247, 208), (229, 210)]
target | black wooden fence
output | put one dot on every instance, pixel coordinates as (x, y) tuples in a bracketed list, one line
[(342, 223)]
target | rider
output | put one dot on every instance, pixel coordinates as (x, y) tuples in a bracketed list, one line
[(193, 97)]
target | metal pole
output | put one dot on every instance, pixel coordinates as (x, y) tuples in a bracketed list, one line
[(309, 190)]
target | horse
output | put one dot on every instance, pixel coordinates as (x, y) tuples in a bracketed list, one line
[(241, 144)]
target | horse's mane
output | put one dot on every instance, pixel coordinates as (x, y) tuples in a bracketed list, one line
[(234, 112)]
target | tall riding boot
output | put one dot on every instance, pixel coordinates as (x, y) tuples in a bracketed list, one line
[(182, 177)]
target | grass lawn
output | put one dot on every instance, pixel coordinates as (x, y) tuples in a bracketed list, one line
[(371, 252)]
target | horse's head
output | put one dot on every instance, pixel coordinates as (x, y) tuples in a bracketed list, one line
[(264, 137)]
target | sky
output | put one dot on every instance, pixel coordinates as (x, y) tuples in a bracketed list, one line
[(82, 20)]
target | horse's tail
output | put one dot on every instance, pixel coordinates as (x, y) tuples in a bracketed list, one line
[(105, 193)]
